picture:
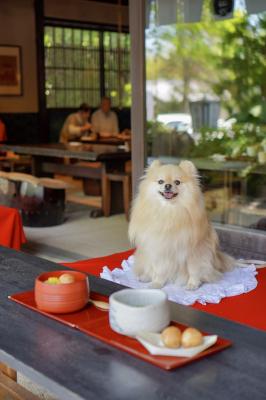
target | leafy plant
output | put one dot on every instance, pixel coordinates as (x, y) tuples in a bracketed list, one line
[(241, 64), (154, 128), (211, 141), (233, 143)]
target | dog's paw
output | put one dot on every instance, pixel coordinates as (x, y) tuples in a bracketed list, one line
[(192, 284), (144, 278)]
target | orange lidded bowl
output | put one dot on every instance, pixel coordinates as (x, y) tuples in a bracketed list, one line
[(61, 298)]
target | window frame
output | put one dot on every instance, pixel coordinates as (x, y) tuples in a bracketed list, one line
[(101, 28)]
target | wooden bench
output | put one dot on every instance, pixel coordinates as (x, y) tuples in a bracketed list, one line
[(12, 162), (40, 200), (125, 179)]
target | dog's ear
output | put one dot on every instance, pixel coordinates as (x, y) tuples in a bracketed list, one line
[(155, 164), (189, 168)]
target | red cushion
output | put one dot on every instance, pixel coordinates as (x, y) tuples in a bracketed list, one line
[(246, 308), (94, 266), (11, 229)]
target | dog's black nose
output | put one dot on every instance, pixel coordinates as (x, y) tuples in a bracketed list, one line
[(168, 186)]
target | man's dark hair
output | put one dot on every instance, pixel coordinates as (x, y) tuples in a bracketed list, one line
[(106, 98), (84, 107)]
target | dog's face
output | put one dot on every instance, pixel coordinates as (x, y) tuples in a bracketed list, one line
[(171, 183), (168, 185)]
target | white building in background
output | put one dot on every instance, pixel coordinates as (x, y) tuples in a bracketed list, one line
[(167, 90)]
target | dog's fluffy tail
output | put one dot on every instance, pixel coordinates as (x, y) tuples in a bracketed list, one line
[(224, 262)]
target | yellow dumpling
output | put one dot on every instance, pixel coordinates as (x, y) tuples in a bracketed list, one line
[(66, 278), (171, 337), (191, 337)]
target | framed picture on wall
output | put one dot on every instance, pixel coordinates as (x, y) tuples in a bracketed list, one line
[(10, 71)]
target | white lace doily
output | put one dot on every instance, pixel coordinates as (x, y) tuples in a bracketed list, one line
[(240, 280)]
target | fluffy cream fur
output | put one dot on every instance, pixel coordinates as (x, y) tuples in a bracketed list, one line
[(169, 227)]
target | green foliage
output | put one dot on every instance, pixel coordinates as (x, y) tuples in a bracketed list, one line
[(182, 52), (233, 143), (222, 57), (153, 128), (212, 142), (164, 107), (127, 95), (242, 68), (244, 136)]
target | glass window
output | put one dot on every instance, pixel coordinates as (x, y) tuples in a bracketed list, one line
[(73, 69), (206, 101), (116, 67)]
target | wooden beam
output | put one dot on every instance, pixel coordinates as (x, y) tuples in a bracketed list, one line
[(39, 32), (138, 81)]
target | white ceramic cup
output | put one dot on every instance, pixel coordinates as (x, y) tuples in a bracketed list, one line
[(135, 310)]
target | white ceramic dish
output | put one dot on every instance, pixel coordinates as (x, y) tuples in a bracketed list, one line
[(153, 343), (74, 144), (134, 310)]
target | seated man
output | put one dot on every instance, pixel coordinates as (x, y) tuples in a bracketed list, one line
[(76, 124), (104, 121)]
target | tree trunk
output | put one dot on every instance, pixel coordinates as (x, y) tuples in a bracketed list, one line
[(186, 84)]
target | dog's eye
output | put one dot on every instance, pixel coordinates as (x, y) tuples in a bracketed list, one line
[(160, 182), (177, 182)]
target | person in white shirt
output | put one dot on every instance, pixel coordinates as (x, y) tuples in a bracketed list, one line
[(104, 121), (76, 124)]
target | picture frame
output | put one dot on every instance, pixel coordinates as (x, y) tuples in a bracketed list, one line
[(10, 70)]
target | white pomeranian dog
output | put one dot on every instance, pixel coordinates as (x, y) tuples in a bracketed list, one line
[(175, 243)]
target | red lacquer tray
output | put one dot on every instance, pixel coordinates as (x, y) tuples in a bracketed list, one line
[(95, 323)]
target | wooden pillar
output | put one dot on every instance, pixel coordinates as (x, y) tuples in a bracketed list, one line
[(43, 133), (138, 82)]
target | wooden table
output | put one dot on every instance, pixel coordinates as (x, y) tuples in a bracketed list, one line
[(76, 367), (48, 159), (45, 156), (111, 140)]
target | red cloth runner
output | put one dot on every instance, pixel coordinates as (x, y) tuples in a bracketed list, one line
[(11, 229), (3, 135), (248, 308)]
